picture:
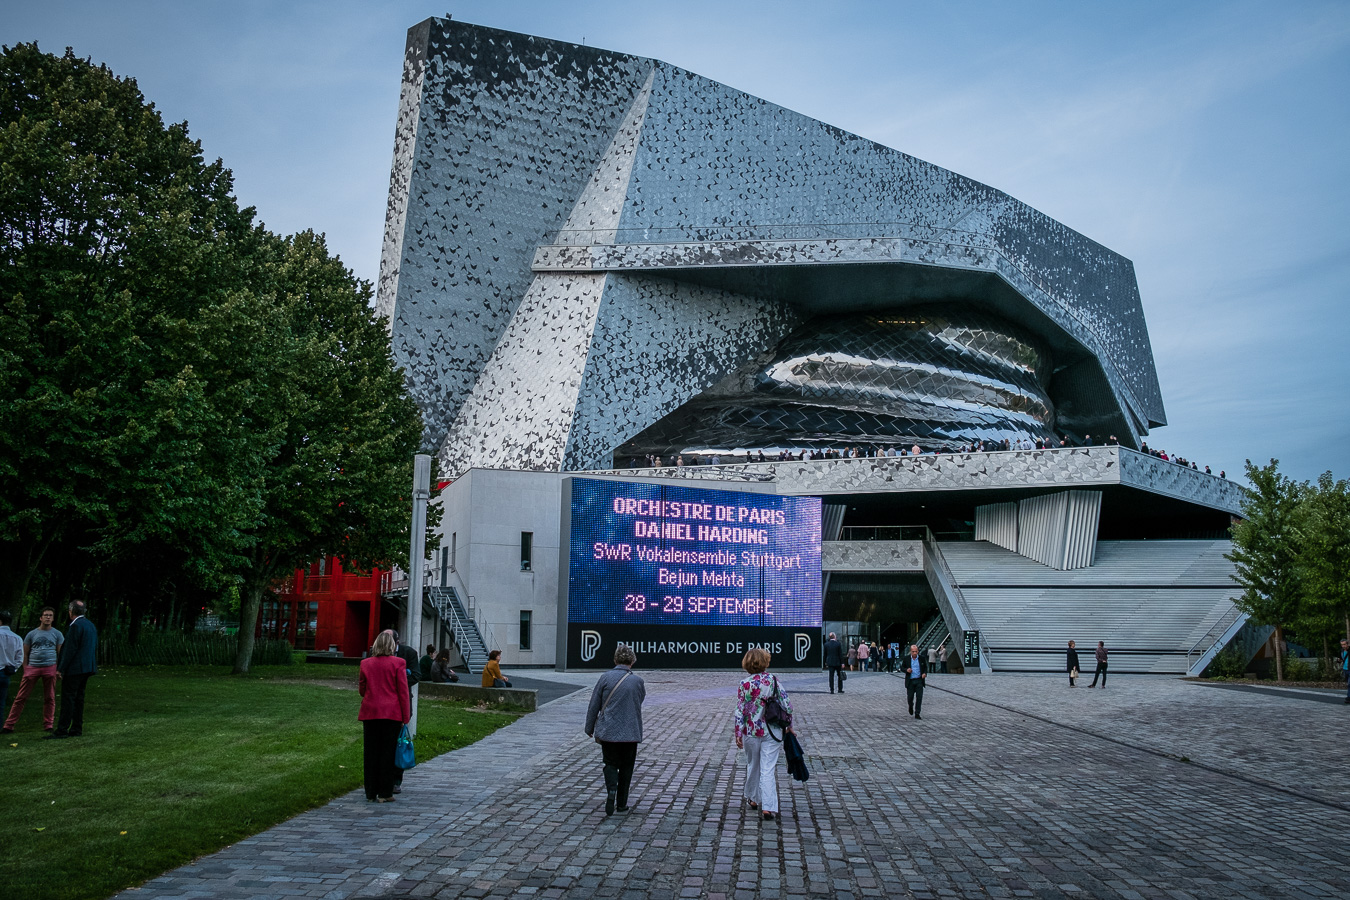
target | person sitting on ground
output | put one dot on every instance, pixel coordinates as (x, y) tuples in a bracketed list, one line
[(441, 672), (424, 664), (492, 672)]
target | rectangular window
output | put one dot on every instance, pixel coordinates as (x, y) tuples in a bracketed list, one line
[(525, 629), (445, 562), (526, 550), (454, 547)]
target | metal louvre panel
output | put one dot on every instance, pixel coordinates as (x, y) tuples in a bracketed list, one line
[(997, 523)]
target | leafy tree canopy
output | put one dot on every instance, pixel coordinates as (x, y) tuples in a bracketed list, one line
[(178, 386)]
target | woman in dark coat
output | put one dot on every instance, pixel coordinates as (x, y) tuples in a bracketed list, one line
[(614, 719), (1071, 664), (385, 709)]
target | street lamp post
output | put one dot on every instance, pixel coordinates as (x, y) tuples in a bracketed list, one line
[(416, 570)]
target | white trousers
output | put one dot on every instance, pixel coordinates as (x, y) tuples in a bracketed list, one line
[(761, 776)]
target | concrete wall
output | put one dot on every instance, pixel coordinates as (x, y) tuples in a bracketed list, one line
[(487, 510)]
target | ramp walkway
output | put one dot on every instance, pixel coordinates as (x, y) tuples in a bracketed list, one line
[(1159, 605)]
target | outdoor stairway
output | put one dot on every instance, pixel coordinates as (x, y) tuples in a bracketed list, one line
[(1154, 603), (445, 600)]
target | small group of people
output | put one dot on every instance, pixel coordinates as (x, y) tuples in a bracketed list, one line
[(435, 667), (614, 720), (47, 655), (1072, 667), (385, 684)]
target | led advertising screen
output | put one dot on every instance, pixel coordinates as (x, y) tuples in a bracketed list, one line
[(691, 577)]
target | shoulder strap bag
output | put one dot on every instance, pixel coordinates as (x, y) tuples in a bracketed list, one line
[(774, 714)]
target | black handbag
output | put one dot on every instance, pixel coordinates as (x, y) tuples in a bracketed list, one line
[(774, 714)]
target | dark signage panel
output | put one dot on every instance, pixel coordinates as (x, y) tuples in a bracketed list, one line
[(971, 656), (673, 567), (691, 647)]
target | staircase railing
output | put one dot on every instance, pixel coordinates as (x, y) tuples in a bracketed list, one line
[(950, 600), (1214, 640)]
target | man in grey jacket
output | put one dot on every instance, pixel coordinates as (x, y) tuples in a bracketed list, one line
[(614, 719)]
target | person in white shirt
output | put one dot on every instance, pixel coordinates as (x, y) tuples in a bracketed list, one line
[(11, 656)]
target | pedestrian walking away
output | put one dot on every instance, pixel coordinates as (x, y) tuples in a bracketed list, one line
[(614, 719), (41, 646), (754, 733), (915, 675), (864, 653), (834, 661), (1101, 665), (75, 667), (1071, 663), (852, 656), (11, 656)]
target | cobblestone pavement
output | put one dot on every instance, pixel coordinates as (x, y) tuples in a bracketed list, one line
[(1010, 786)]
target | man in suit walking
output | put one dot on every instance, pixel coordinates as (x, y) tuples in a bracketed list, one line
[(75, 667), (834, 661), (915, 673)]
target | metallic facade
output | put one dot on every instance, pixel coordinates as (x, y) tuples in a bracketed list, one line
[(940, 378), (579, 243)]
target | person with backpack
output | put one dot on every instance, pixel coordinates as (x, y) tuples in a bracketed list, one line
[(761, 706)]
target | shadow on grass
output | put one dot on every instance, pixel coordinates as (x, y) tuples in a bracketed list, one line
[(179, 762)]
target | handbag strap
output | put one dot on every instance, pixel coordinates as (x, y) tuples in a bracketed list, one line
[(612, 691)]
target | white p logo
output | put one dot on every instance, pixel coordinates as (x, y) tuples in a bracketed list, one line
[(803, 645), (590, 642)]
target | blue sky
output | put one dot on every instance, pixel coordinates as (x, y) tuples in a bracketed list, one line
[(1208, 142)]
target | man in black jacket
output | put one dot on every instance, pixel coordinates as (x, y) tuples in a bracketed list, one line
[(915, 674), (834, 661), (75, 667)]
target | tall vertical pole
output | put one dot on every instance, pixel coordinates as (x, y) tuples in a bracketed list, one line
[(416, 568)]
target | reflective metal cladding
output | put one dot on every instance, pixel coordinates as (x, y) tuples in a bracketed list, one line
[(587, 251)]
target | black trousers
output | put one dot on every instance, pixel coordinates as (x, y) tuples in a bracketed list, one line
[(914, 694), (71, 720), (1101, 671), (622, 755), (836, 673), (381, 742)]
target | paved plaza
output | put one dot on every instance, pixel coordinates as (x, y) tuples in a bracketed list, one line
[(1011, 786)]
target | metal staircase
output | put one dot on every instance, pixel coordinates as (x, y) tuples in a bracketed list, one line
[(445, 601)]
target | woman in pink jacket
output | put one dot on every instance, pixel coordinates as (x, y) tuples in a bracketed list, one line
[(385, 709)]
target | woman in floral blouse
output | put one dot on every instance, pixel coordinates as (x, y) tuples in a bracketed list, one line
[(752, 734)]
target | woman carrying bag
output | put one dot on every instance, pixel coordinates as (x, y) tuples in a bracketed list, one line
[(753, 730), (385, 709), (614, 719)]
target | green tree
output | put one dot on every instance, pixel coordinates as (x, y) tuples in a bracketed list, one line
[(1266, 552), (340, 482), (1324, 558), (134, 344)]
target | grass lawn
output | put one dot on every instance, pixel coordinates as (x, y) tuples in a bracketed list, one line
[(176, 762)]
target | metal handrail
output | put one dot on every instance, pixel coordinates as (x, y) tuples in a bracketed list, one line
[(1225, 622), (934, 563)]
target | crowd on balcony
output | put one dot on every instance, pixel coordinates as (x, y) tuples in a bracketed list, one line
[(1024, 442)]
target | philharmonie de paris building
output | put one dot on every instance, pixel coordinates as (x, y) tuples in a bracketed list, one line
[(676, 348)]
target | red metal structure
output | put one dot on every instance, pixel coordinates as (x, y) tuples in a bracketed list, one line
[(322, 606)]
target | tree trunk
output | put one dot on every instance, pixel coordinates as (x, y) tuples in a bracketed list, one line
[(1279, 653), (250, 605)]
